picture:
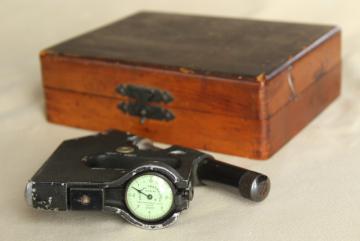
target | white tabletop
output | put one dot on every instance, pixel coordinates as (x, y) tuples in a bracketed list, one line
[(315, 178)]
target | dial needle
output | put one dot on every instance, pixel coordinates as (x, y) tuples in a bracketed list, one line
[(149, 196)]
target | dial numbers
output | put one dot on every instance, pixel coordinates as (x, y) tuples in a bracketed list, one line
[(149, 197)]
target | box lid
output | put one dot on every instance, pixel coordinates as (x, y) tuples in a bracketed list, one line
[(239, 49)]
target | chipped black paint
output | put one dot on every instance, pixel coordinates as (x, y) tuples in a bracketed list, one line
[(90, 174)]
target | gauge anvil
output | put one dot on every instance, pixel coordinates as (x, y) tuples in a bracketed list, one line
[(127, 175)]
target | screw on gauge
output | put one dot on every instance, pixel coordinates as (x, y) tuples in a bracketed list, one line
[(125, 149)]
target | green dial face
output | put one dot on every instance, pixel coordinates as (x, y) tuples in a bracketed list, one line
[(149, 197)]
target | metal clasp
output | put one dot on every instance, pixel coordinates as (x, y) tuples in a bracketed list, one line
[(139, 99)]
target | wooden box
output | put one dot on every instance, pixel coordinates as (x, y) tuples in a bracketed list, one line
[(236, 86)]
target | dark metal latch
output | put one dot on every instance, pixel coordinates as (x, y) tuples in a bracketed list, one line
[(140, 99)]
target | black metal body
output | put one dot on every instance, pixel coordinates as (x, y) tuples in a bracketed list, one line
[(91, 173)]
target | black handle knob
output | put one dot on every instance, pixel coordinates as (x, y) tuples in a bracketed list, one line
[(252, 185)]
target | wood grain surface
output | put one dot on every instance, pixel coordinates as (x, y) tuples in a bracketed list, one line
[(251, 114), (253, 138)]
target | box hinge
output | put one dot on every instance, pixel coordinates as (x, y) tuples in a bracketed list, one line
[(141, 101)]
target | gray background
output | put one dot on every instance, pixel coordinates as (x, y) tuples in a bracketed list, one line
[(316, 190)]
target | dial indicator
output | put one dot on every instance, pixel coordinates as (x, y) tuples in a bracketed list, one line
[(149, 197)]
